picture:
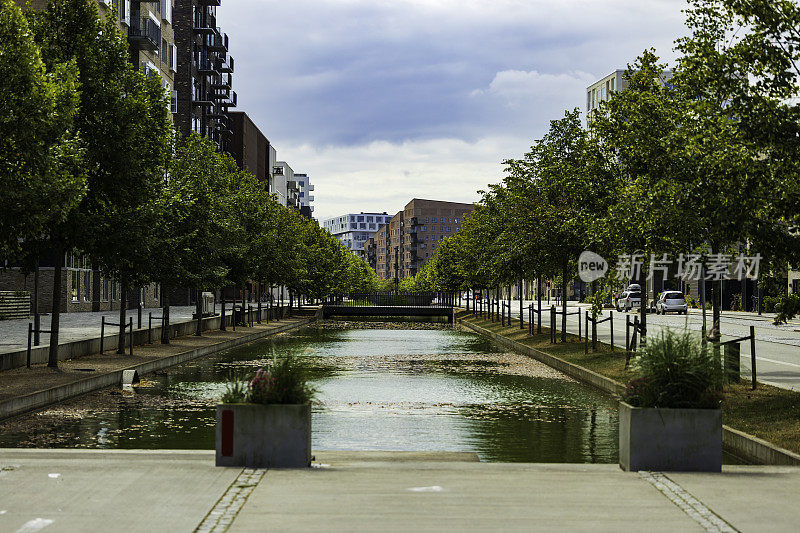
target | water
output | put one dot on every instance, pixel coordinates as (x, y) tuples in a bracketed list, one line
[(378, 389)]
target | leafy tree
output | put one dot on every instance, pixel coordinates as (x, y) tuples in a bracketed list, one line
[(40, 171)]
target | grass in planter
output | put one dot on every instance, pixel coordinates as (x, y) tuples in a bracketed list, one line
[(675, 370), (284, 382)]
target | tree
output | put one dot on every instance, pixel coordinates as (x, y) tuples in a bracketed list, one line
[(40, 171)]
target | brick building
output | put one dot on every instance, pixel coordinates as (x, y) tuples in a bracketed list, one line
[(204, 77), (413, 235)]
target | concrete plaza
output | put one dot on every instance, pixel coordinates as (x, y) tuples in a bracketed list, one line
[(135, 490)]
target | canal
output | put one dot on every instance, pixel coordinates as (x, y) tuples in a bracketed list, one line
[(378, 389)]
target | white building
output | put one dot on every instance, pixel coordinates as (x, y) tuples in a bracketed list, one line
[(602, 89), (285, 185), (354, 229), (305, 197)]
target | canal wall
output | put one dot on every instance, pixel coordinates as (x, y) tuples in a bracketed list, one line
[(738, 443), (79, 348), (39, 399)]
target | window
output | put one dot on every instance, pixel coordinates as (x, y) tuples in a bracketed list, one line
[(369, 219), (612, 84), (164, 51), (167, 11), (87, 285), (448, 229), (456, 221), (173, 57), (104, 285)]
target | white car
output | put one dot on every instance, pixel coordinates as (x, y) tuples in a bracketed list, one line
[(630, 300), (671, 302)]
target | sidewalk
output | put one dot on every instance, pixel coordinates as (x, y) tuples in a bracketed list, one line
[(81, 326), (86, 490)]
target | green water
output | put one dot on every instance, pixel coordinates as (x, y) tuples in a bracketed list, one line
[(378, 389)]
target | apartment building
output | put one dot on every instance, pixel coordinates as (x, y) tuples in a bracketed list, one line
[(204, 77), (249, 147), (414, 234), (305, 198), (602, 89), (353, 230)]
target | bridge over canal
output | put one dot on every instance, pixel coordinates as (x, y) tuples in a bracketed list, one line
[(416, 304)]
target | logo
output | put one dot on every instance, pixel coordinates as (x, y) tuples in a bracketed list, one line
[(591, 266)]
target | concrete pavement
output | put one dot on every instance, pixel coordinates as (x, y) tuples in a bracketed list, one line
[(93, 490)]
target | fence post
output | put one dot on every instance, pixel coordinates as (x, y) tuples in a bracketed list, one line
[(594, 335), (579, 326), (130, 336), (28, 355), (149, 328), (102, 333), (552, 324), (627, 334), (753, 354), (611, 321), (586, 339)]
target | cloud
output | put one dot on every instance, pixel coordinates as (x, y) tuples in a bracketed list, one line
[(384, 176), (438, 81)]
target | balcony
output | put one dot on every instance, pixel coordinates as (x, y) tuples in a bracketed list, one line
[(223, 82), (231, 102), (204, 23), (144, 33), (225, 65), (214, 3), (217, 42), (206, 66)]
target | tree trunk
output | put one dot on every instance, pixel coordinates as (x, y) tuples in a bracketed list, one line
[(52, 358), (521, 320), (198, 309), (123, 304), (222, 326), (716, 304), (165, 315), (564, 274)]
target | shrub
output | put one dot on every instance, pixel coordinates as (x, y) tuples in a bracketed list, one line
[(235, 390), (675, 371), (769, 303)]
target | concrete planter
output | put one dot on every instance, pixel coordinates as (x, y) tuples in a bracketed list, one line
[(264, 436), (670, 439)]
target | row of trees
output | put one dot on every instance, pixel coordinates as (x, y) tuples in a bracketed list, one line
[(705, 161), (91, 162)]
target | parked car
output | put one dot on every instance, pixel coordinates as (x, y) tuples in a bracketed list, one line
[(671, 302), (630, 300)]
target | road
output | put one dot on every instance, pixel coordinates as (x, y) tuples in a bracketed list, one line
[(777, 347)]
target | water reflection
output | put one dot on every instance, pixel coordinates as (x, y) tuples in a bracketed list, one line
[(378, 390)]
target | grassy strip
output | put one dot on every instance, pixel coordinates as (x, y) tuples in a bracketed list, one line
[(769, 413)]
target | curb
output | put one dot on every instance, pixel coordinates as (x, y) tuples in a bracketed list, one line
[(36, 400), (738, 443)]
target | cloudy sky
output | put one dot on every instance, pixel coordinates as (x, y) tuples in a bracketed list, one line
[(381, 101)]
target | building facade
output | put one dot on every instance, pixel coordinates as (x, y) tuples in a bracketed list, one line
[(249, 147), (204, 77), (413, 235), (353, 230), (602, 89), (305, 198)]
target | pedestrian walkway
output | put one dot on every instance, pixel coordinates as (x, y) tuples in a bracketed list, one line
[(81, 326), (182, 491)]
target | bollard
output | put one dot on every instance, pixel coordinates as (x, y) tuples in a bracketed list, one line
[(611, 321), (627, 334), (732, 362), (586, 339), (753, 353)]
